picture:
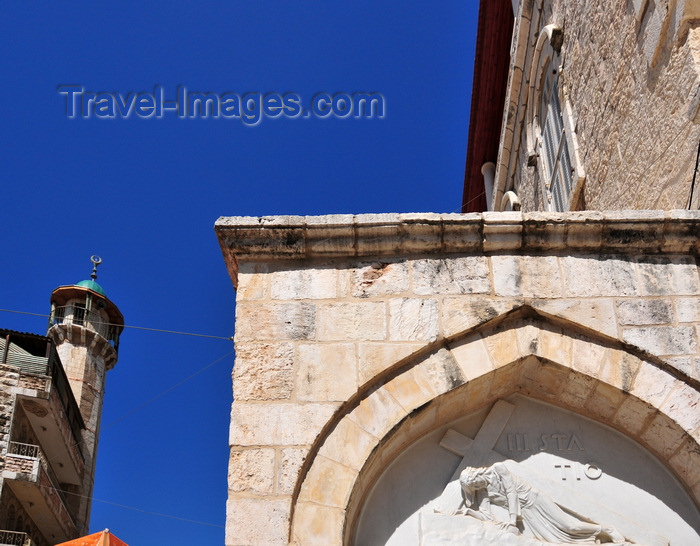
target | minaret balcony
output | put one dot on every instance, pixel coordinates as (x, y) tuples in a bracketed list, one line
[(29, 475), (75, 315)]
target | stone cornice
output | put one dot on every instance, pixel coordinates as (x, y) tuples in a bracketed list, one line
[(345, 235), (273, 238)]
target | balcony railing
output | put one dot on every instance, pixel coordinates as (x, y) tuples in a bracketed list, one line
[(26, 450), (34, 452), (73, 314), (14, 538)]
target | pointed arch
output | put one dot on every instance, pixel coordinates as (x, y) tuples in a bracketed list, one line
[(524, 351)]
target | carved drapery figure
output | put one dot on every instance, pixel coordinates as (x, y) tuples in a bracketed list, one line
[(535, 510)]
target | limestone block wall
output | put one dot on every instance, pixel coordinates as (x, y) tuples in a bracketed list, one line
[(357, 334), (9, 378), (631, 76)]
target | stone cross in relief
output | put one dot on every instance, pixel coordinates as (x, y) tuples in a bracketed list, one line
[(476, 452)]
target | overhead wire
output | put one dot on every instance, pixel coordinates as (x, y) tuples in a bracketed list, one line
[(166, 391), (230, 338), (138, 408), (106, 427), (133, 508)]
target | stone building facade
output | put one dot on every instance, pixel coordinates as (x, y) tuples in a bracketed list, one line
[(378, 356), (420, 379), (617, 82), (50, 409)]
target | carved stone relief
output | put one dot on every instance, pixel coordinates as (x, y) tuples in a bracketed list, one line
[(526, 473)]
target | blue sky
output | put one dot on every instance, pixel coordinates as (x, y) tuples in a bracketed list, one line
[(144, 195)]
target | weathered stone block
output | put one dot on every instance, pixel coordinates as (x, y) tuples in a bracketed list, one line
[(652, 385), (326, 372), (298, 284), (506, 379), (325, 234), (577, 388), (275, 321), (550, 379), (527, 336), (460, 314), (461, 232), (662, 275), (472, 357), (633, 415), (686, 461), (378, 413), (258, 521), (688, 309), (619, 369), (467, 275), (377, 234), (529, 276), (364, 321), (316, 525), (587, 357), (683, 406), (641, 312), (277, 424), (419, 231), (348, 444), (252, 471), (263, 371), (290, 461), (377, 357), (663, 340), (502, 231), (440, 372), (328, 483), (596, 314), (409, 392), (663, 435), (555, 346), (605, 401), (413, 319), (544, 231), (251, 281), (379, 279), (687, 364), (598, 275)]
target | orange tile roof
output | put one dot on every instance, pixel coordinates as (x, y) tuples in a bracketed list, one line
[(103, 538)]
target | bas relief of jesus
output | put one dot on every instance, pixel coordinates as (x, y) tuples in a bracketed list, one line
[(527, 508)]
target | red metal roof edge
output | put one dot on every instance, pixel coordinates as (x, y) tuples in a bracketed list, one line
[(491, 65)]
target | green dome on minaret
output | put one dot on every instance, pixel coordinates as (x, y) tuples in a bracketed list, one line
[(92, 285)]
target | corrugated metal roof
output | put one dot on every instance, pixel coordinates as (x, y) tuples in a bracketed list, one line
[(23, 359)]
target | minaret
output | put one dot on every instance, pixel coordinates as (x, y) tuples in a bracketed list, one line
[(85, 327)]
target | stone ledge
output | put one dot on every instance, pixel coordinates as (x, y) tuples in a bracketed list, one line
[(272, 238)]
